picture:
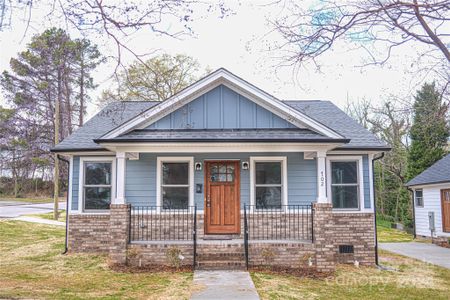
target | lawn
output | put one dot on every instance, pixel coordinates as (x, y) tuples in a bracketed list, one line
[(386, 234), (29, 200), (411, 280), (49, 216), (32, 266)]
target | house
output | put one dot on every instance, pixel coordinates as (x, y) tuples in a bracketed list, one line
[(223, 174), (431, 195)]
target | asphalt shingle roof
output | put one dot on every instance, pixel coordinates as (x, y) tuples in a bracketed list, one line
[(324, 112), (158, 135), (113, 115), (437, 173)]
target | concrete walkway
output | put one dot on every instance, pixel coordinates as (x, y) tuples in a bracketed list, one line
[(428, 253), (223, 285), (40, 221)]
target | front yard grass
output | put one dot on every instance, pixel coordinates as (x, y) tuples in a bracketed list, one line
[(32, 266), (412, 280), (386, 234), (28, 199), (49, 216)]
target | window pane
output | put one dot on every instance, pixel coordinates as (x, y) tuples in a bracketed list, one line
[(97, 173), (344, 172), (97, 197), (345, 196), (268, 172), (268, 197), (175, 173), (175, 197), (419, 193)]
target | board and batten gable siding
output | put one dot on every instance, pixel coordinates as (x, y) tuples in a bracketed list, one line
[(221, 108), (431, 202), (140, 183)]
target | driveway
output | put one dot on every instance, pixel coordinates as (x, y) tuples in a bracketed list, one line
[(14, 210), (428, 253)]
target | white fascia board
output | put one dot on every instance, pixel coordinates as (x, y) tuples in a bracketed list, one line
[(235, 83), (218, 147)]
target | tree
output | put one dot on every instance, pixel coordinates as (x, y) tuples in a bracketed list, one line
[(116, 20), (40, 91), (310, 31), (155, 80), (429, 132)]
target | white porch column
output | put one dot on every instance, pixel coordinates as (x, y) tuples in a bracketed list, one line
[(321, 177), (120, 188)]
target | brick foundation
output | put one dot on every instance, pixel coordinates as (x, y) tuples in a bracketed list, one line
[(110, 233), (89, 233)]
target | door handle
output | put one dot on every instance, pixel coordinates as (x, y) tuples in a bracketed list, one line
[(208, 201)]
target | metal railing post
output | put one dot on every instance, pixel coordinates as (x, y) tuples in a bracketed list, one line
[(195, 238), (245, 236)]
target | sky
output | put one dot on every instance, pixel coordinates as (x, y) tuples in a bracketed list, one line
[(240, 42)]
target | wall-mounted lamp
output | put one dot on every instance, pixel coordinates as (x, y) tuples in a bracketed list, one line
[(245, 165), (198, 166)]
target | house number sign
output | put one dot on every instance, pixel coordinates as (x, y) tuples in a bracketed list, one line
[(322, 179)]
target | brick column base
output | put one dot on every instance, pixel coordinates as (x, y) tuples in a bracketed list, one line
[(323, 237), (119, 223)]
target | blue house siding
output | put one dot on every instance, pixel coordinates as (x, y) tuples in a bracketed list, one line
[(75, 182), (221, 108), (140, 183), (140, 179)]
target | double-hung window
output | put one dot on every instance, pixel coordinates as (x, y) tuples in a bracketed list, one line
[(175, 186), (97, 184), (418, 195), (345, 184), (269, 187)]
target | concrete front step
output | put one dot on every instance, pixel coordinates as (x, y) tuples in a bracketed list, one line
[(221, 257), (221, 265)]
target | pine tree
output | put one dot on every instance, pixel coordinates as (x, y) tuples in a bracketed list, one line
[(429, 132)]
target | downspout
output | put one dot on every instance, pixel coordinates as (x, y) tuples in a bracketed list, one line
[(66, 248), (375, 206), (413, 211)]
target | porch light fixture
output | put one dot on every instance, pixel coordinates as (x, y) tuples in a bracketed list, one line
[(245, 165), (198, 166)]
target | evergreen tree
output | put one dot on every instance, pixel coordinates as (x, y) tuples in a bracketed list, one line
[(429, 132)]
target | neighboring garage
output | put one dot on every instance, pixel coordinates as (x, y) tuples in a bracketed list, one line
[(431, 190)]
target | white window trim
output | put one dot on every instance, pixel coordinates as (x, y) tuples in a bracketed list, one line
[(162, 159), (81, 183), (359, 160), (284, 186), (415, 199)]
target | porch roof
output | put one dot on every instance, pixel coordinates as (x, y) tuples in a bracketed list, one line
[(223, 135), (115, 114)]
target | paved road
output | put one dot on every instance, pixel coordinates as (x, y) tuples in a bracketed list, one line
[(428, 253), (223, 285), (14, 210)]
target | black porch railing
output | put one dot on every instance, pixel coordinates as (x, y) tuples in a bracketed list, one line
[(281, 222), (157, 223)]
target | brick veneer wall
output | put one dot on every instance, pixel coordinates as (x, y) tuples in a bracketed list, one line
[(119, 222), (89, 233), (110, 233)]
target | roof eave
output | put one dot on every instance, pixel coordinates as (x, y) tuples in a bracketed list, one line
[(196, 140)]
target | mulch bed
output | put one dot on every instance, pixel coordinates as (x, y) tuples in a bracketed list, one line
[(297, 272)]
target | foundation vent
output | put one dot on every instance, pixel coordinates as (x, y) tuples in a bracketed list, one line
[(344, 249)]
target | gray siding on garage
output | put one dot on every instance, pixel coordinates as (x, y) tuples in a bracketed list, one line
[(140, 182)]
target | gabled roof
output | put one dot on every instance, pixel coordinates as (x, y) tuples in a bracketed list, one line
[(439, 172), (228, 79), (118, 113)]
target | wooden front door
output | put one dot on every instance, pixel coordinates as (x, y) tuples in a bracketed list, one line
[(222, 197), (445, 201)]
